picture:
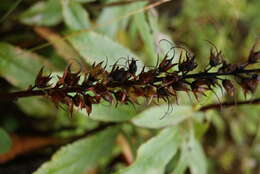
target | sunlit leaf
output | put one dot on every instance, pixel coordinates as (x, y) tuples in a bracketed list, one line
[(82, 155), (109, 16), (153, 156), (106, 112), (18, 66), (146, 32), (43, 13), (94, 47), (157, 116), (75, 16), (196, 157)]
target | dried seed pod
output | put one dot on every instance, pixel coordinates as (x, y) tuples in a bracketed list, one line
[(78, 101), (254, 56), (228, 68), (147, 77), (188, 65), (69, 102), (42, 81), (69, 78), (101, 90), (166, 64), (97, 72), (170, 78), (88, 103), (132, 68), (180, 86), (57, 97), (199, 87), (215, 58), (229, 87), (118, 75), (249, 84)]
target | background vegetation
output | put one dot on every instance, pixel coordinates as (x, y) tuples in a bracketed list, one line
[(36, 137)]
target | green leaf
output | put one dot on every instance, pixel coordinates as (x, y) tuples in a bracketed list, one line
[(182, 163), (18, 66), (43, 14), (84, 1), (75, 16), (146, 33), (82, 155), (192, 156), (153, 156), (39, 107), (6, 142), (106, 112), (155, 117), (196, 157), (94, 47), (112, 14)]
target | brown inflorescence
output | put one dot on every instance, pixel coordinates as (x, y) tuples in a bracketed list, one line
[(123, 85)]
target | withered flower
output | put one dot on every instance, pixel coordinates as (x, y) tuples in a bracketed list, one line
[(42, 81), (229, 87), (68, 78), (254, 56), (249, 84), (188, 65)]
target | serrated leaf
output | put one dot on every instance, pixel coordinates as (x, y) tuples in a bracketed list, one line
[(94, 47), (82, 155), (6, 142), (155, 117), (153, 156), (43, 14), (75, 16), (19, 66)]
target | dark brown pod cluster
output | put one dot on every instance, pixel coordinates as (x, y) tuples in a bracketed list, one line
[(123, 85)]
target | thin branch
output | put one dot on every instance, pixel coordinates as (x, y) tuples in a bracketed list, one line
[(230, 104)]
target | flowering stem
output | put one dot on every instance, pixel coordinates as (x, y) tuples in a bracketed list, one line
[(229, 104), (42, 92)]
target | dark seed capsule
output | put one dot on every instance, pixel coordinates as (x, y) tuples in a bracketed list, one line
[(132, 67), (229, 87), (42, 81)]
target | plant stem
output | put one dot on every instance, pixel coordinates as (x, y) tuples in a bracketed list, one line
[(42, 92), (229, 104)]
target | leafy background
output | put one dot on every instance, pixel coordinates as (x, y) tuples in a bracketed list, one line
[(36, 137)]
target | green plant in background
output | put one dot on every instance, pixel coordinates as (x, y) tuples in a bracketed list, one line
[(88, 31)]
